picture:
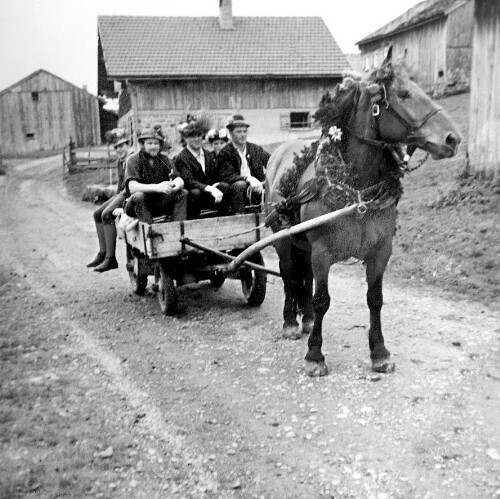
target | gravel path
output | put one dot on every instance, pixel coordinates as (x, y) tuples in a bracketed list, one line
[(214, 403)]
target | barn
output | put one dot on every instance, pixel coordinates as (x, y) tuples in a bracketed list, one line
[(434, 38), (42, 111), (273, 70), (484, 127)]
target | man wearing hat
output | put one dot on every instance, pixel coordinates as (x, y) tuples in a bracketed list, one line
[(152, 185), (242, 164), (198, 169), (103, 216)]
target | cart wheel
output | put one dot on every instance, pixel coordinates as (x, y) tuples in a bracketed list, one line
[(167, 292), (138, 280), (254, 282)]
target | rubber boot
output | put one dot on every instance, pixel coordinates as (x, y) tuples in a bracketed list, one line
[(110, 262), (102, 246)]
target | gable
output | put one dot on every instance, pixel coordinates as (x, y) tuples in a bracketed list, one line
[(424, 12), (183, 47), (43, 81)]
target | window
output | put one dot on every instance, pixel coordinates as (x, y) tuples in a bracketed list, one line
[(299, 120), (30, 136), (440, 73), (34, 96)]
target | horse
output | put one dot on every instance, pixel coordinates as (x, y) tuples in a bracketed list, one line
[(377, 119)]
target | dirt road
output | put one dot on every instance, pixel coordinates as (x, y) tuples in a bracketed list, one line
[(214, 403)]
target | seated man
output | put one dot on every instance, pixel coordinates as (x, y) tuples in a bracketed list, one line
[(153, 187), (103, 217), (198, 169), (242, 165)]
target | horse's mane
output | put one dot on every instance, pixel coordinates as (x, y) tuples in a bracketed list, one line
[(335, 110)]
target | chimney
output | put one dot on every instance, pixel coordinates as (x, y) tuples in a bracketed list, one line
[(226, 14)]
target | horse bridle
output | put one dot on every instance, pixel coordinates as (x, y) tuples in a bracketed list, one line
[(412, 128)]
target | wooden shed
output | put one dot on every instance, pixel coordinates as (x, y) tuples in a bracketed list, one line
[(434, 38), (484, 128), (273, 70), (41, 112)]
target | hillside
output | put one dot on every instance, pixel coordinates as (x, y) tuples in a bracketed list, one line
[(449, 225)]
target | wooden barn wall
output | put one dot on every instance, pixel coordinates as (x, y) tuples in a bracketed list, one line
[(60, 111), (267, 104), (459, 45), (423, 48), (232, 94), (86, 118), (41, 82), (484, 128)]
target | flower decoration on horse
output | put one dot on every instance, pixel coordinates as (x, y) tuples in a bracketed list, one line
[(335, 134)]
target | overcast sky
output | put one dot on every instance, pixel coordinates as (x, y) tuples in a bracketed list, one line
[(61, 35)]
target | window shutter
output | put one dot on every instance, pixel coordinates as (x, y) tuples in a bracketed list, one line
[(285, 121)]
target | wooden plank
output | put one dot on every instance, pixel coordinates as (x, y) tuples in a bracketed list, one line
[(484, 128), (216, 94), (223, 234)]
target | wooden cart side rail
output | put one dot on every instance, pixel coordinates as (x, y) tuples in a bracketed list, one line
[(165, 239)]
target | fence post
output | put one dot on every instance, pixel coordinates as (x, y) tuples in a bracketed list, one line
[(64, 161), (72, 154)]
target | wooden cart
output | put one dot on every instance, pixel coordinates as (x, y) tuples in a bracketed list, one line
[(180, 253)]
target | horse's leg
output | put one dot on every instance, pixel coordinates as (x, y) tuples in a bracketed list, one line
[(315, 360), (375, 267), (304, 288), (290, 324)]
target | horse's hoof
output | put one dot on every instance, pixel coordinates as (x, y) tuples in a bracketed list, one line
[(315, 369), (307, 327), (291, 333), (383, 366)]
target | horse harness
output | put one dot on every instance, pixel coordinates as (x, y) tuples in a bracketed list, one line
[(382, 197)]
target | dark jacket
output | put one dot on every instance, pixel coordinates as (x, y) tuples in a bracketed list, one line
[(229, 163), (138, 168), (192, 173), (120, 166)]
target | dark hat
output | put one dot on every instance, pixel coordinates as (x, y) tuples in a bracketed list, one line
[(236, 120), (117, 136), (152, 133), (122, 140), (214, 135), (193, 127)]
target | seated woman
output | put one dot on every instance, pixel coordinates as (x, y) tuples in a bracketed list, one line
[(218, 139), (198, 168), (152, 185), (103, 216)]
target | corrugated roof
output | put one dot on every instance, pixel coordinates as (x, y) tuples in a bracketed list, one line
[(137, 47), (420, 13)]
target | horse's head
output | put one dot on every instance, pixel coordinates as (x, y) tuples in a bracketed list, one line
[(401, 112)]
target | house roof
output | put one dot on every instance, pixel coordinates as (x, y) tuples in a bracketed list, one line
[(423, 12), (142, 47), (36, 73)]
